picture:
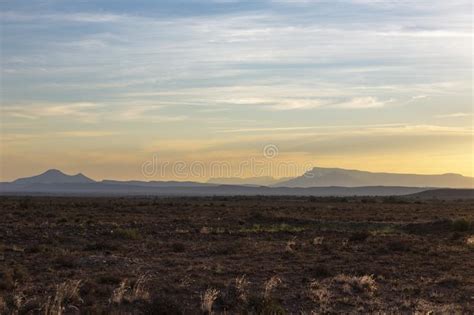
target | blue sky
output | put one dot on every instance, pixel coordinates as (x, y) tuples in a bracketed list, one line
[(99, 86)]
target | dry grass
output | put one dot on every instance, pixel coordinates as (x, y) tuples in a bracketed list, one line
[(3, 305), (353, 284), (139, 291), (470, 240), (207, 300), (241, 284), (119, 292), (270, 285), (348, 289), (66, 293), (290, 246), (320, 294), (131, 292), (318, 241)]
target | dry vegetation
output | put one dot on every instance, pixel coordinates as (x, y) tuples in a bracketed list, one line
[(235, 255)]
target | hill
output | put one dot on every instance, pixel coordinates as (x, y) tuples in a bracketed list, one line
[(445, 194)]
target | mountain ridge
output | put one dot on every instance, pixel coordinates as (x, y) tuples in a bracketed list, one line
[(320, 176), (316, 182)]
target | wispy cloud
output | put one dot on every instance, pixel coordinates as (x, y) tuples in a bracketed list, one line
[(454, 115), (91, 112), (387, 129), (83, 17), (363, 103), (291, 66), (85, 111)]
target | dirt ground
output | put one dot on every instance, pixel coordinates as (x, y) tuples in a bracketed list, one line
[(235, 255)]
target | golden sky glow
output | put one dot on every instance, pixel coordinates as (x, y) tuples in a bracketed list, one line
[(105, 87)]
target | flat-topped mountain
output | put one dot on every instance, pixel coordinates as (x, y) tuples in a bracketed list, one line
[(323, 177), (54, 176), (250, 181)]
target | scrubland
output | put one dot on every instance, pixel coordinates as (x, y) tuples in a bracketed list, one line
[(235, 255)]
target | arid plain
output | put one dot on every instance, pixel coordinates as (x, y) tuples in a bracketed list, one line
[(235, 255)]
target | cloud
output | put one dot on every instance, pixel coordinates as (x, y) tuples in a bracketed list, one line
[(454, 115), (363, 103), (81, 17), (87, 133), (297, 104), (369, 129), (276, 104), (92, 112), (85, 111), (419, 97), (234, 62), (426, 33)]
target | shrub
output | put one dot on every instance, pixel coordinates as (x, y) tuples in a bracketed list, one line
[(9, 276), (127, 234), (108, 279), (40, 248), (3, 305), (262, 306), (24, 203), (161, 306), (359, 236), (225, 249), (460, 225), (257, 228), (320, 294), (320, 271), (20, 272), (398, 246), (6, 279), (101, 246), (65, 261), (450, 282), (178, 247)]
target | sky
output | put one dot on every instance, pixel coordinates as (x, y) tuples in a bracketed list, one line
[(169, 89)]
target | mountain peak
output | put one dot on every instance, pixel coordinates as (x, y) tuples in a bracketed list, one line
[(53, 171), (55, 176)]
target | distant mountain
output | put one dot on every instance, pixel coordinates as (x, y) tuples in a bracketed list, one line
[(249, 181), (445, 194), (323, 177), (156, 183), (317, 182), (53, 176)]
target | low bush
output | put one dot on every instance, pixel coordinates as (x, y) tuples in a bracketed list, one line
[(461, 225), (178, 247), (359, 236), (127, 234)]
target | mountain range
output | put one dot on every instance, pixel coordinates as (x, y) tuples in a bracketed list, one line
[(248, 181), (321, 177), (316, 182)]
